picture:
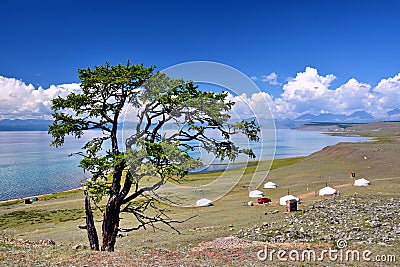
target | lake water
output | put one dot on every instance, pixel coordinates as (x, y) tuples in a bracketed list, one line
[(29, 166)]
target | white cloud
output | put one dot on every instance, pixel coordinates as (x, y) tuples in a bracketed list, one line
[(352, 96), (388, 92), (271, 78), (257, 104), (307, 92), (307, 85), (20, 100), (310, 92)]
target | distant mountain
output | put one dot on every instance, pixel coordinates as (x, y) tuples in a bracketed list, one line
[(326, 117), (359, 116), (393, 112), (287, 124), (280, 123), (24, 125), (267, 123), (331, 117), (306, 117)]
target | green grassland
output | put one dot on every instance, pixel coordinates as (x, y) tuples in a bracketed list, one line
[(57, 216)]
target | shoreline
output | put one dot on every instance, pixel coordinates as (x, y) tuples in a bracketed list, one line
[(41, 195), (21, 199), (371, 139)]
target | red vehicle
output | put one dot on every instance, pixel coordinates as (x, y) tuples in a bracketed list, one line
[(263, 200)]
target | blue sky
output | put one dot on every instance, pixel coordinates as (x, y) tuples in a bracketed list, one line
[(45, 42)]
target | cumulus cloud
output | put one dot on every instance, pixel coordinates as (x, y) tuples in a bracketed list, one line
[(306, 92), (351, 96), (271, 78), (388, 92), (255, 105), (23, 101), (310, 92)]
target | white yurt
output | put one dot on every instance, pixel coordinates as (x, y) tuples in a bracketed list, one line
[(282, 200), (270, 185), (361, 182), (204, 202), (327, 191), (256, 194)]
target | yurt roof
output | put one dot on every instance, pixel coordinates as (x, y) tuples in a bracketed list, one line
[(256, 193), (204, 202), (326, 191), (282, 200), (361, 182), (270, 185)]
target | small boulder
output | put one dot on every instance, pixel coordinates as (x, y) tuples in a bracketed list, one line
[(80, 247)]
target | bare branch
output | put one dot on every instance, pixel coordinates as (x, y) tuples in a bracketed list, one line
[(143, 190), (145, 220)]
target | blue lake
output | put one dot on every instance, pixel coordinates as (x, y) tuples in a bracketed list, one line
[(29, 166)]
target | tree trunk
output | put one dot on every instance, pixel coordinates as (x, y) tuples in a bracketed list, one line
[(90, 227), (110, 224)]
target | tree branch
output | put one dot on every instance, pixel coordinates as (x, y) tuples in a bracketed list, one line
[(143, 190), (145, 220), (127, 186)]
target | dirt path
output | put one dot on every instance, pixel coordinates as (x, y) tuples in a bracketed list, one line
[(311, 194)]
